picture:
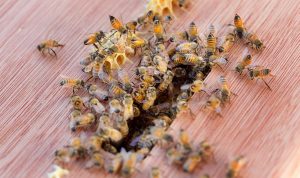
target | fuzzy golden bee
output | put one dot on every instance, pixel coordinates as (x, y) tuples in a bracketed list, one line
[(235, 166), (259, 72), (254, 42), (49, 45), (244, 63), (117, 24), (72, 83)]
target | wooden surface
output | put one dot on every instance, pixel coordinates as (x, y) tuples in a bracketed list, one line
[(261, 124)]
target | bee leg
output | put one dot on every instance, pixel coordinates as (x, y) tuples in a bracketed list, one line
[(95, 45), (52, 51), (266, 84)]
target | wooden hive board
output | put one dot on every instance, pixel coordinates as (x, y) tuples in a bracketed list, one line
[(261, 124)]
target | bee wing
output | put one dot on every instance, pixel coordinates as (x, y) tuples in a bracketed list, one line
[(221, 60), (185, 87), (99, 108)]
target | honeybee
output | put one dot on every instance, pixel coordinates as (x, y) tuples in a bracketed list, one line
[(155, 173), (129, 162), (104, 121), (193, 59), (76, 148), (146, 141), (96, 160), (62, 155), (226, 43), (58, 172), (48, 45), (83, 121), (114, 135), (148, 80), (109, 148), (160, 63), (186, 47), (136, 111), (117, 25), (224, 92), (259, 72), (193, 32), (93, 90), (77, 103), (115, 106), (214, 103), (93, 38), (115, 164), (206, 152), (131, 26), (96, 106), (125, 81), (246, 61), (128, 106), (174, 156), (96, 68), (138, 42), (150, 98), (197, 86), (192, 162), (167, 80), (158, 31), (239, 30), (74, 83), (254, 42), (178, 59), (115, 90), (122, 126), (235, 167), (95, 143), (139, 95), (211, 44), (164, 139), (184, 141)]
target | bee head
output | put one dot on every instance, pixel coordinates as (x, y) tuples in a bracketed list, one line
[(237, 17), (40, 47)]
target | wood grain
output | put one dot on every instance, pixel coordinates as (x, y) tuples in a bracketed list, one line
[(261, 124)]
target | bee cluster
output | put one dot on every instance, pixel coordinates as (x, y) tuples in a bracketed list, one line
[(135, 113)]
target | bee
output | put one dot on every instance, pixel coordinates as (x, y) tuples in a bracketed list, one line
[(48, 45), (212, 29), (104, 121), (115, 106), (214, 103), (122, 126), (246, 61), (74, 83), (58, 172), (96, 160), (235, 167), (184, 142), (150, 98), (96, 68), (138, 42), (147, 80), (114, 135), (129, 162), (211, 44), (206, 151), (95, 143), (239, 30), (146, 141), (77, 103), (73, 117), (93, 38), (131, 26), (125, 81), (136, 111), (224, 92), (164, 139), (96, 106), (117, 25), (160, 63), (193, 32), (62, 155), (197, 86), (226, 43), (186, 47), (193, 59), (115, 90), (115, 164), (158, 31), (174, 156), (192, 162), (155, 173), (254, 42), (259, 72), (77, 149), (85, 120), (167, 80), (184, 36), (93, 90), (139, 95), (110, 148), (128, 107), (178, 59)]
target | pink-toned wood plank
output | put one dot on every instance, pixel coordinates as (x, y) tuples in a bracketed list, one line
[(261, 124)]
